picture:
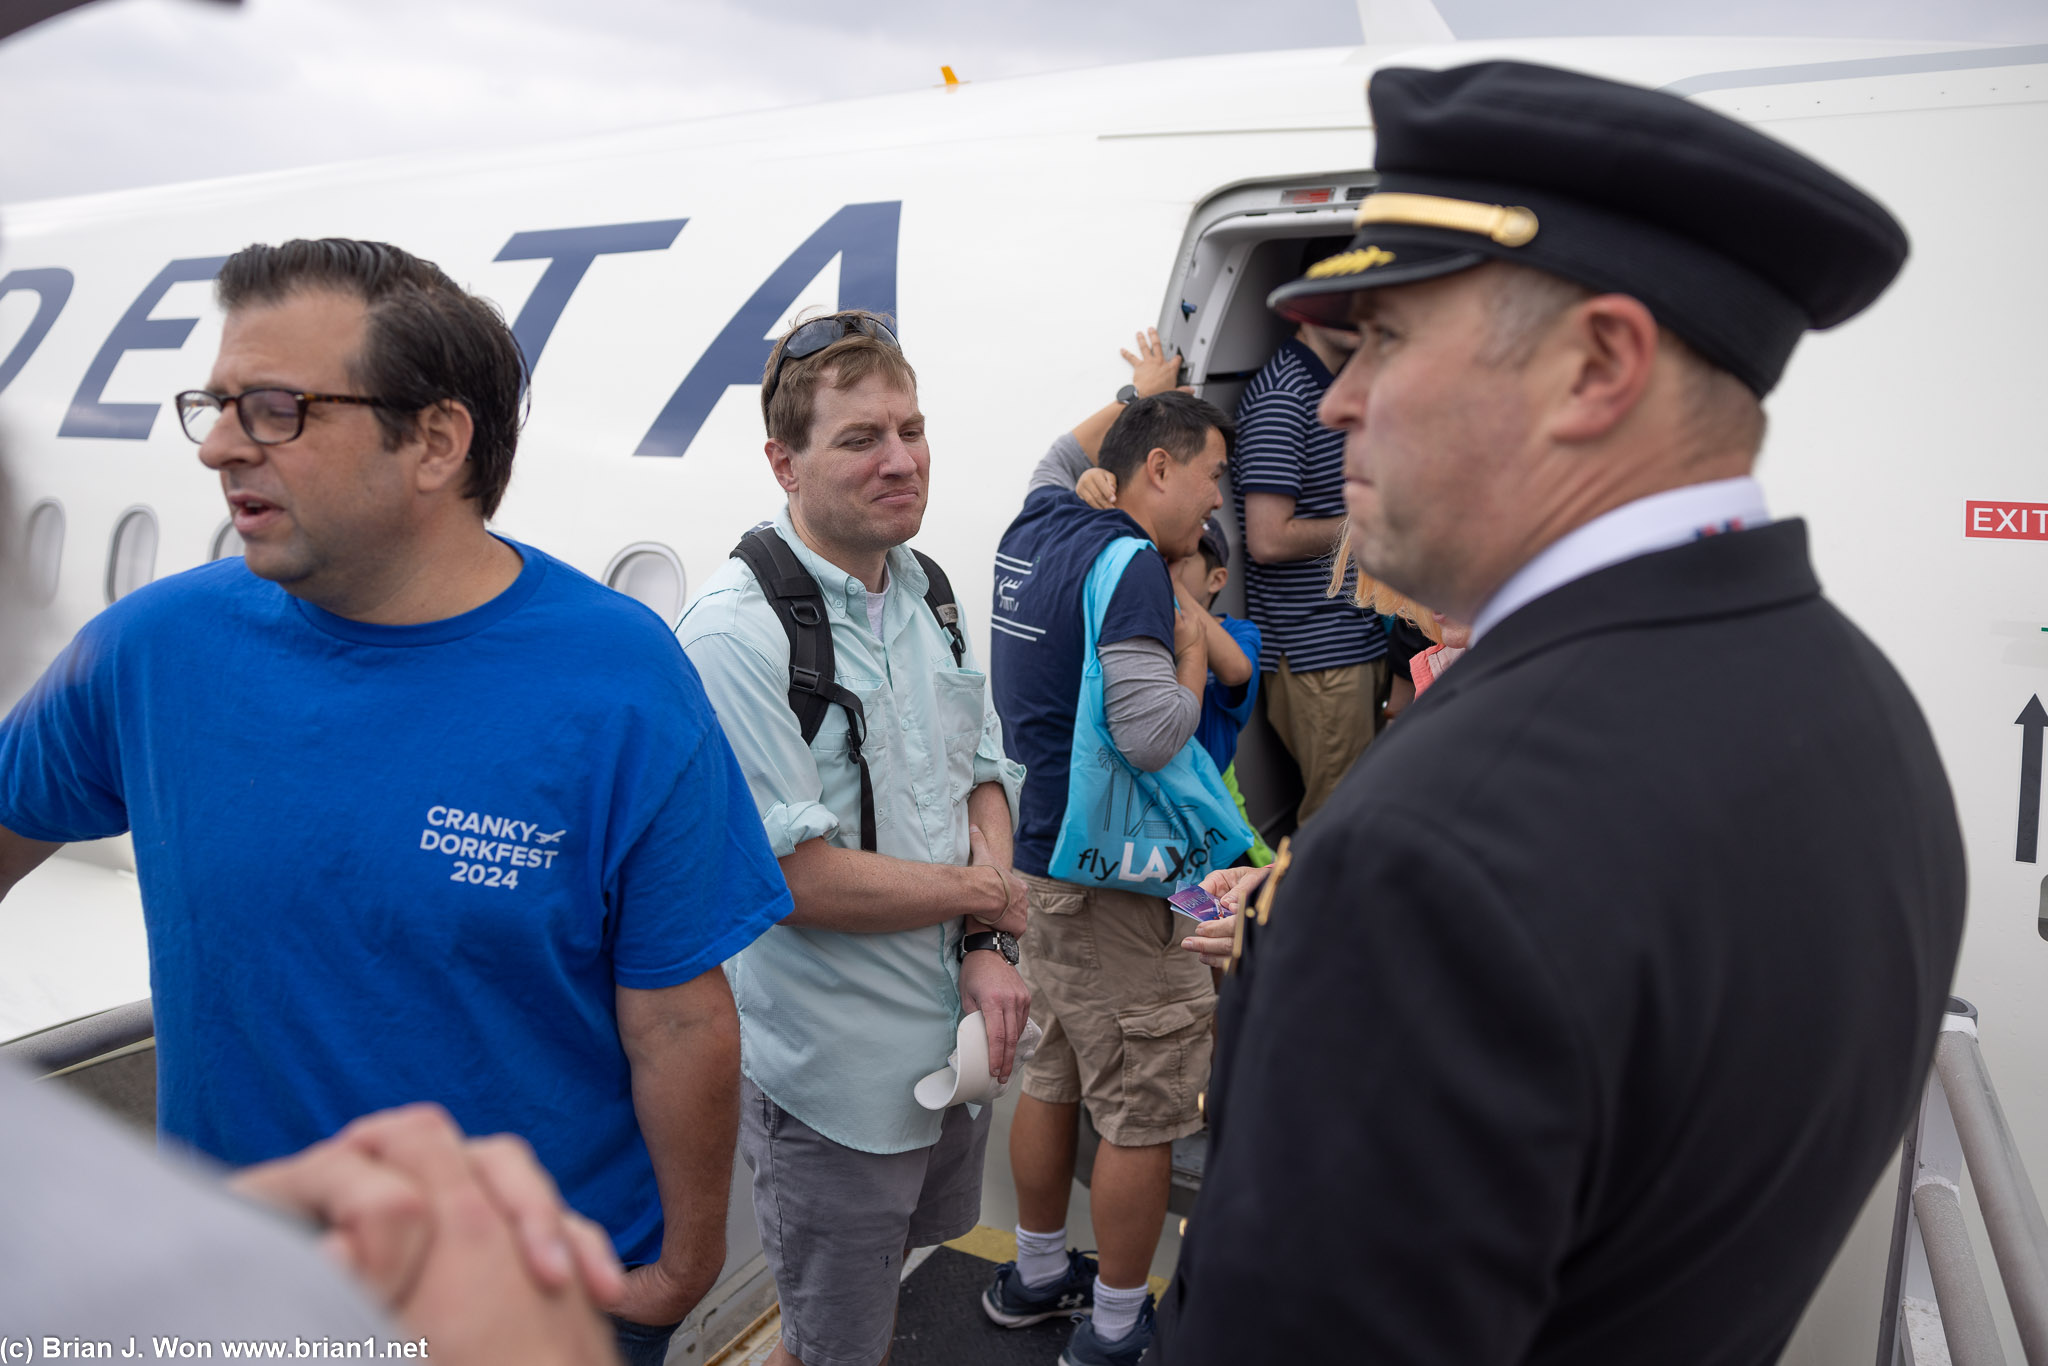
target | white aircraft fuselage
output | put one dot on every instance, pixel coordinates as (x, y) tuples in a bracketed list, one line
[(1019, 231)]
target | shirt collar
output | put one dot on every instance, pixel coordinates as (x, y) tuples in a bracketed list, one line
[(1318, 372), (838, 586), (1647, 525)]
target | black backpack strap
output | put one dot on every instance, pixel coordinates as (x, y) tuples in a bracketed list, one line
[(813, 681), (938, 595)]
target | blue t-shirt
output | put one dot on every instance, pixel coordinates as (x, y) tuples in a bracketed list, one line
[(384, 864), (1037, 635), (1226, 710)]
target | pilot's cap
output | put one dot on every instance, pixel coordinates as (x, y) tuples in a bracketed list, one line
[(1732, 240)]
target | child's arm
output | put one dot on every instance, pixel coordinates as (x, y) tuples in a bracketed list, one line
[(1227, 660)]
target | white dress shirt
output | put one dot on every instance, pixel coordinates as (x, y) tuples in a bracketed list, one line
[(1647, 525)]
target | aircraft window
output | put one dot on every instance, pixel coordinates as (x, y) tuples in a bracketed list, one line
[(131, 560), (45, 549), (650, 574), (226, 541)]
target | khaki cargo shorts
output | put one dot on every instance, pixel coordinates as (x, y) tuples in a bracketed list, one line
[(1125, 1010)]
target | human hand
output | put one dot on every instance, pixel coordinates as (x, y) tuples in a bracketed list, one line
[(1153, 371), (1190, 624), (467, 1240), (990, 985), (1016, 909), (1097, 488), (1212, 939), (667, 1290), (1232, 886)]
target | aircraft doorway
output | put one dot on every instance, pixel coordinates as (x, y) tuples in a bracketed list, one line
[(1241, 244)]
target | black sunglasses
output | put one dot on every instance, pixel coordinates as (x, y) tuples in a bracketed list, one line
[(816, 335)]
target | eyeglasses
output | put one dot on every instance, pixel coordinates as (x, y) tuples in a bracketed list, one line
[(816, 335), (271, 417)]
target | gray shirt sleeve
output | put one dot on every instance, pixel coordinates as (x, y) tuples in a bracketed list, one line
[(103, 1240), (1150, 714), (1062, 467)]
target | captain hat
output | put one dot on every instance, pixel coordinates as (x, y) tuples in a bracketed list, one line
[(1731, 239)]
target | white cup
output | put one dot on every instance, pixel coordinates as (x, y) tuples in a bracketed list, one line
[(965, 1079)]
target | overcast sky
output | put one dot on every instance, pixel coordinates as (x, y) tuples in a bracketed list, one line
[(135, 92)]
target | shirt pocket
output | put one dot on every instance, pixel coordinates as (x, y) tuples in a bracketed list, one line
[(832, 748), (959, 701)]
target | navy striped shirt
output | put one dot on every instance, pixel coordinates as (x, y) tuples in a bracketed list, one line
[(1281, 448)]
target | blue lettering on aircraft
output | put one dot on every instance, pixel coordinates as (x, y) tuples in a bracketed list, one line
[(569, 252), (51, 287), (136, 331), (863, 236)]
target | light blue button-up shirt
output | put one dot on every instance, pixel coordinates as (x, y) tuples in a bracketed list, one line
[(838, 1028)]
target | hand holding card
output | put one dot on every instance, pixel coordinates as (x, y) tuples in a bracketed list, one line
[(1196, 904)]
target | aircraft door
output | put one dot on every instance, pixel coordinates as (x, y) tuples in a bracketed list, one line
[(1241, 244)]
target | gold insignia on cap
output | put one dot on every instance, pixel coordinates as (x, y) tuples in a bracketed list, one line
[(1350, 263), (1509, 226)]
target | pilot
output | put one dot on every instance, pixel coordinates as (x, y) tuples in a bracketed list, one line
[(1578, 1024)]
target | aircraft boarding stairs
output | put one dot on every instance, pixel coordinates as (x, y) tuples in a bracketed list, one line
[(1935, 1309)]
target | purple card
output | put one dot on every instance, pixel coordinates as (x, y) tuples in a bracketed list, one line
[(1196, 904)]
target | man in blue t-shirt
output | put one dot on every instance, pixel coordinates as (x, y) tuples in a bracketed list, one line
[(1126, 1025), (1323, 657), (391, 848)]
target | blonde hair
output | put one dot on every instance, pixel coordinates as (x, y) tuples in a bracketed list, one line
[(1370, 593)]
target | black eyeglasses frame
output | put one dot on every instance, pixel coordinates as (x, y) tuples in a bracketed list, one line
[(302, 400)]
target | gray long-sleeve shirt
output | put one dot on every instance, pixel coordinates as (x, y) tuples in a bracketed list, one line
[(1150, 714)]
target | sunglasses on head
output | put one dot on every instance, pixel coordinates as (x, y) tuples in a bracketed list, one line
[(816, 335)]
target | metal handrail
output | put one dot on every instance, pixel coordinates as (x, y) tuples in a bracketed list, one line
[(81, 1040), (1932, 1285)]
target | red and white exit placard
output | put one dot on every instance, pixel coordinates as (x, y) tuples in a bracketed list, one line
[(2006, 521)]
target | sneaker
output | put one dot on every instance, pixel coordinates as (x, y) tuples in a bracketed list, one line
[(1085, 1348), (1011, 1303)]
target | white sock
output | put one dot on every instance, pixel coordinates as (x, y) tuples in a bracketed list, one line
[(1116, 1311), (1041, 1257)]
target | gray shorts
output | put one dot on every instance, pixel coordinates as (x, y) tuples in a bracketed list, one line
[(835, 1221)]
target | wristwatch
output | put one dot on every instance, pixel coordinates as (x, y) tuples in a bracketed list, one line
[(1002, 942), (1127, 394)]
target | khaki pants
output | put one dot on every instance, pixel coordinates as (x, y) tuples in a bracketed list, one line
[(1125, 1009), (1326, 718)]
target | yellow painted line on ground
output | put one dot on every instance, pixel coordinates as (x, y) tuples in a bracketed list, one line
[(989, 1244), (1000, 1245)]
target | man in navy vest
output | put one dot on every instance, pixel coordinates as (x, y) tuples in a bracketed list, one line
[(1125, 1014)]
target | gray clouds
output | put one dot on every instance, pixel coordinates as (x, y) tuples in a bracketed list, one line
[(134, 92)]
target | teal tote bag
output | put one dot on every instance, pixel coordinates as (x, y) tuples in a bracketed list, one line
[(1143, 832)]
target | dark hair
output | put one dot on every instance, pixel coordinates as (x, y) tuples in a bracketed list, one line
[(1175, 422), (428, 341), (1321, 249)]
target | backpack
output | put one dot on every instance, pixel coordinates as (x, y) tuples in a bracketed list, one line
[(813, 683)]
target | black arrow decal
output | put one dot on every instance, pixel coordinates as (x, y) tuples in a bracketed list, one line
[(2035, 719)]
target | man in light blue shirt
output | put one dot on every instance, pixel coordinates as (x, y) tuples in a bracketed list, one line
[(898, 930)]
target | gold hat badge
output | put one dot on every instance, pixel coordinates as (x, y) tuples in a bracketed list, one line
[(1350, 263)]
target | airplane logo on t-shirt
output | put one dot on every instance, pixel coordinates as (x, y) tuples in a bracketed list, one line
[(539, 838)]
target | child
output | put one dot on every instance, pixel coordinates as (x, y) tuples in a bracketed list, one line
[(1233, 676)]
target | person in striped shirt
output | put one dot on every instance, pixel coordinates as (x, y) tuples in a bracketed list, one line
[(1323, 659)]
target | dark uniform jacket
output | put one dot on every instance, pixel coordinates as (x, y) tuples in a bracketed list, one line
[(1593, 1003)]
